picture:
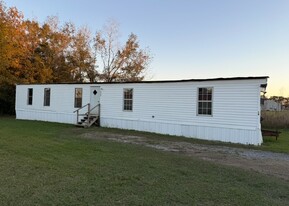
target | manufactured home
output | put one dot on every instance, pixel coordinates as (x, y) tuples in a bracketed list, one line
[(270, 105), (222, 109)]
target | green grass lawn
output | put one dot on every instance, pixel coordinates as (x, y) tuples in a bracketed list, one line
[(279, 145), (47, 164)]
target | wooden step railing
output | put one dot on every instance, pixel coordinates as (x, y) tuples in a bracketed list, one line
[(87, 114)]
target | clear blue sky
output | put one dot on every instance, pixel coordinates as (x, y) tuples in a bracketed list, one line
[(188, 38)]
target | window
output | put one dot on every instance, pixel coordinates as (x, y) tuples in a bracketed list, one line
[(205, 101), (127, 99), (30, 96), (47, 97), (78, 98)]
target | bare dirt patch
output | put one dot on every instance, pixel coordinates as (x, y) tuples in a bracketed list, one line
[(269, 163)]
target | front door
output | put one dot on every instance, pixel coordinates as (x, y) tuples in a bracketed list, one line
[(94, 100)]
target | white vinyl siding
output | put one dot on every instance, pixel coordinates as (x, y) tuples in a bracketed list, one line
[(61, 102), (171, 108), (235, 103), (167, 108)]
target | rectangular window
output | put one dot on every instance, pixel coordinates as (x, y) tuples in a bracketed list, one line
[(78, 98), (47, 97), (205, 101), (30, 96), (127, 99)]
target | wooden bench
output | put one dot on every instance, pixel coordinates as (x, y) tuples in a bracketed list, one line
[(271, 133)]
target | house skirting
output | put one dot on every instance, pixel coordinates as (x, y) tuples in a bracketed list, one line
[(48, 116), (234, 135), (206, 132)]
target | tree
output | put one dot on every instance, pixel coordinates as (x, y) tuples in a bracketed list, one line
[(13, 49), (131, 61), (4, 48), (277, 98), (126, 63), (55, 45), (81, 58), (45, 53), (11, 55)]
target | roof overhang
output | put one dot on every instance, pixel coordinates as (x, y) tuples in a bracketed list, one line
[(169, 81)]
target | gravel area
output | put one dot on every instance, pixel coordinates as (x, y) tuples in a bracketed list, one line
[(269, 163)]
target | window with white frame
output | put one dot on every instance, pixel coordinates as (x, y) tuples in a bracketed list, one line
[(78, 98), (205, 101), (127, 99), (29, 96), (46, 97)]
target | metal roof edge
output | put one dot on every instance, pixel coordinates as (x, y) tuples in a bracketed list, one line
[(161, 81)]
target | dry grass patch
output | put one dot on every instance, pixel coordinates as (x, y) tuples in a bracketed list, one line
[(275, 119)]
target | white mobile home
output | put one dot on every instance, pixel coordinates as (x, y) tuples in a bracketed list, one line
[(223, 109), (270, 105)]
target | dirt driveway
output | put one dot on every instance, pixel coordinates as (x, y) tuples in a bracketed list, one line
[(274, 164)]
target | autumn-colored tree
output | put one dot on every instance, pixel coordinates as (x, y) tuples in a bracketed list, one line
[(36, 65), (4, 62), (5, 88), (13, 50), (11, 55), (31, 52), (131, 61), (81, 58), (55, 48), (126, 63)]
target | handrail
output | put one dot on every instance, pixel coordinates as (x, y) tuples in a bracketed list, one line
[(88, 111), (94, 107), (81, 108)]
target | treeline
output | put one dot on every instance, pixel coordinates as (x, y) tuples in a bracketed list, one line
[(31, 52)]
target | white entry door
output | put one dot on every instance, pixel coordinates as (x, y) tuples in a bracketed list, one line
[(94, 99)]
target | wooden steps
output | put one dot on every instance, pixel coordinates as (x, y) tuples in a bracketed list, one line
[(87, 122), (89, 118)]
